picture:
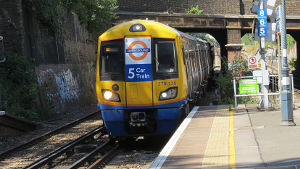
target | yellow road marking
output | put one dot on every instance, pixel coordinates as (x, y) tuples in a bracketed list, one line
[(232, 162)]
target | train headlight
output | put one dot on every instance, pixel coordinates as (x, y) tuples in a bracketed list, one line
[(110, 96), (137, 28), (107, 95), (170, 93)]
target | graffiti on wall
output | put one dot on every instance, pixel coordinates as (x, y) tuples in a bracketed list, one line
[(62, 86)]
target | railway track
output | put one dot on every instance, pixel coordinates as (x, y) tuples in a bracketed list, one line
[(23, 155), (45, 136), (74, 154)]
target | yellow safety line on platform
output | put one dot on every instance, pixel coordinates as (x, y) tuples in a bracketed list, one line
[(217, 150), (232, 162)]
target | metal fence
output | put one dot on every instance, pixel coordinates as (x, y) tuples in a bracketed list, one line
[(273, 84)]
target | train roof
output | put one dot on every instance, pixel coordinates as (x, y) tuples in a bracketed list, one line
[(155, 29)]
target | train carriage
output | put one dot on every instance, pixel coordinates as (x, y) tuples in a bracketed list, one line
[(147, 73)]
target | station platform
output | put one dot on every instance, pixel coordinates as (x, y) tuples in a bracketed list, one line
[(246, 137)]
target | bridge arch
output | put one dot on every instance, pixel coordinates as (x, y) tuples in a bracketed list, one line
[(219, 34), (226, 20), (295, 35)]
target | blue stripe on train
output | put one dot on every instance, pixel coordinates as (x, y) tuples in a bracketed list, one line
[(168, 105), (168, 118)]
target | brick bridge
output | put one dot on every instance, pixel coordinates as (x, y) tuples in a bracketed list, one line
[(226, 20)]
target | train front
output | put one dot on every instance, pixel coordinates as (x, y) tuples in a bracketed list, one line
[(141, 86)]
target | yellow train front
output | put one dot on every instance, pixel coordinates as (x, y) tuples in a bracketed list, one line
[(142, 78)]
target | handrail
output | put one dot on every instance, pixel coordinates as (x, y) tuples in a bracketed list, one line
[(260, 94)]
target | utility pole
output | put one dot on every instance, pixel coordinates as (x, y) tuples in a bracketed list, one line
[(262, 17), (286, 101)]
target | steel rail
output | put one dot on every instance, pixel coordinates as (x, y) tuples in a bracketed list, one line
[(104, 158), (45, 136), (93, 153), (56, 153)]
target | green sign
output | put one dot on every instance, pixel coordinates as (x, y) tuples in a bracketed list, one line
[(248, 86)]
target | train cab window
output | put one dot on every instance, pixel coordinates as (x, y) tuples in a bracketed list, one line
[(112, 60), (165, 59)]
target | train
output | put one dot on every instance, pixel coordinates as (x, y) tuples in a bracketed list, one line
[(148, 74)]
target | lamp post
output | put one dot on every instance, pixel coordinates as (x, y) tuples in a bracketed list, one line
[(286, 101)]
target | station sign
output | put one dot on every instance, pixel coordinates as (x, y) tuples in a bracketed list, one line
[(268, 5), (257, 74), (248, 86), (278, 11), (271, 37), (252, 62), (138, 59), (278, 28), (271, 29), (262, 22)]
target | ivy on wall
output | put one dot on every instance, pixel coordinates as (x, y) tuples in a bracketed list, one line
[(95, 14), (18, 87)]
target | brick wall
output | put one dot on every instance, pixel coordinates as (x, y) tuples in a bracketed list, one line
[(11, 25), (292, 7), (208, 6), (179, 6), (233, 36), (246, 5), (65, 63)]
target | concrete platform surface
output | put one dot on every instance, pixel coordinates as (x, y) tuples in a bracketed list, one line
[(216, 137)]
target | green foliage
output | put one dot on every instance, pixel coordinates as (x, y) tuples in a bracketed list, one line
[(18, 86), (249, 100), (225, 88), (247, 39), (224, 80), (205, 36), (48, 12), (194, 10), (95, 14), (269, 45), (290, 41), (240, 67), (292, 63)]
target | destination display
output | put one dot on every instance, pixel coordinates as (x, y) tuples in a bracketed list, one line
[(138, 59)]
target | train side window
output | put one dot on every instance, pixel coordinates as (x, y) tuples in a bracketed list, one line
[(192, 61), (184, 56)]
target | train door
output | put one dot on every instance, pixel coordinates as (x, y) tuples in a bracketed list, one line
[(165, 69), (196, 69), (203, 65), (194, 72), (190, 77), (138, 71), (207, 60), (200, 66)]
